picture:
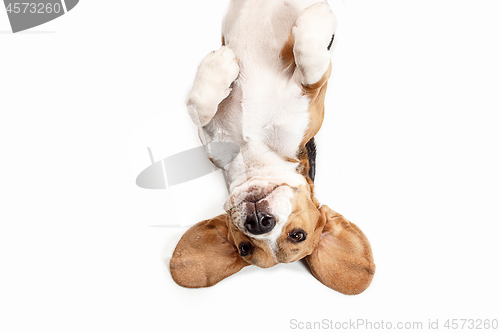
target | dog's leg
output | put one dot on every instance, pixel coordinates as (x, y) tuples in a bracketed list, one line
[(212, 84), (313, 36)]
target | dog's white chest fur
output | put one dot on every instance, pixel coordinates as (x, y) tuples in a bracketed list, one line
[(274, 112), (266, 113)]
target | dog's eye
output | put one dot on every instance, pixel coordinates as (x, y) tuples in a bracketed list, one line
[(245, 249), (297, 235)]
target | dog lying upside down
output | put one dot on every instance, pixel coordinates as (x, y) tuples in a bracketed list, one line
[(264, 91)]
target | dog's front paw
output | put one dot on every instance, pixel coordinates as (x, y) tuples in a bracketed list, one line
[(217, 71), (313, 35), (212, 84)]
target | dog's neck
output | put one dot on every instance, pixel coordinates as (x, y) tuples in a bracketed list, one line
[(257, 161)]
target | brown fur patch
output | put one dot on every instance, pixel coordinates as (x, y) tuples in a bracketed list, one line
[(303, 160), (291, 160), (286, 55), (316, 93)]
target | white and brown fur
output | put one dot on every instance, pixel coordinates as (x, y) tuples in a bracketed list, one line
[(264, 90)]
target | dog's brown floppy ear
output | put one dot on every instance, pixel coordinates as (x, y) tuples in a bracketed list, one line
[(204, 255), (343, 258)]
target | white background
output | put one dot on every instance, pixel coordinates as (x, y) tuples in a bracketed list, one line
[(409, 151)]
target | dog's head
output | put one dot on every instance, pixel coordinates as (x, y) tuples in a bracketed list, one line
[(273, 222), (269, 223)]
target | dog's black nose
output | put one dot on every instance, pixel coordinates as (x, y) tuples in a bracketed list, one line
[(259, 223)]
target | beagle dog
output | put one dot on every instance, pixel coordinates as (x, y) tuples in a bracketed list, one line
[(263, 91)]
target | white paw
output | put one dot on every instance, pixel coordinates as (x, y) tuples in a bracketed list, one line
[(212, 84), (313, 33)]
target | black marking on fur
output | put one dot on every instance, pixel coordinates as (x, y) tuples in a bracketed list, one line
[(331, 42), (311, 155)]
